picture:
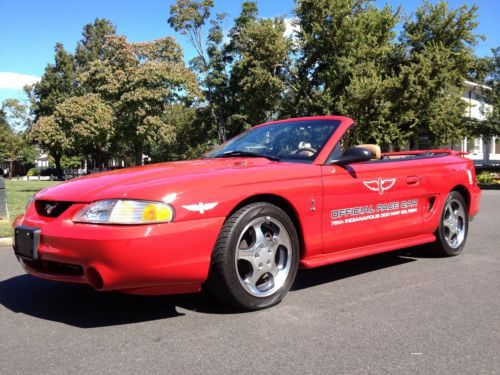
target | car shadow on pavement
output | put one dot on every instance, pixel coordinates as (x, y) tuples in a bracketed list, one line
[(83, 307), (80, 305), (327, 274)]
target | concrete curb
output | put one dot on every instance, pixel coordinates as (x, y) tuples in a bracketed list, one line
[(6, 241)]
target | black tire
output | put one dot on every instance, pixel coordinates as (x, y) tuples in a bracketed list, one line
[(447, 242), (227, 280)]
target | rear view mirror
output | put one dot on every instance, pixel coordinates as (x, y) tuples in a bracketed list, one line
[(352, 155)]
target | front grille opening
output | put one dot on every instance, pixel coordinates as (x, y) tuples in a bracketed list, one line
[(54, 268), (51, 208)]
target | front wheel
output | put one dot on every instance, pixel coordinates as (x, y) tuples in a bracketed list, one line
[(255, 259), (453, 226)]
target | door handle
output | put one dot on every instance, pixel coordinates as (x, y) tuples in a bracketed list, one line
[(413, 180)]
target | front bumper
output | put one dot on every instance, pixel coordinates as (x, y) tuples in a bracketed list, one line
[(143, 259)]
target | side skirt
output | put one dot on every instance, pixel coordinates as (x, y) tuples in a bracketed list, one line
[(359, 252)]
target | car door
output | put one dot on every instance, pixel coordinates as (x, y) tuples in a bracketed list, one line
[(371, 202)]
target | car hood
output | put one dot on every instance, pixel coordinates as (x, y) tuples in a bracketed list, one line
[(154, 181)]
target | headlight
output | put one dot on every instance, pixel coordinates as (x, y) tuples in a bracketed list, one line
[(124, 211)]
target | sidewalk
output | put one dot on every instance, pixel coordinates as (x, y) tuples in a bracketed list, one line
[(6, 241)]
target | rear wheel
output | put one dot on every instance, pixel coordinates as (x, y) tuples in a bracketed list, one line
[(453, 226), (255, 258)]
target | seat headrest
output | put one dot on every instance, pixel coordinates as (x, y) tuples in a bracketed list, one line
[(374, 149)]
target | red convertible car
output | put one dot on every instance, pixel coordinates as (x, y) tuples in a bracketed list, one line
[(243, 219)]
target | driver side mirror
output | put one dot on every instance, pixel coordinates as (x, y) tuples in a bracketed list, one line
[(352, 155)]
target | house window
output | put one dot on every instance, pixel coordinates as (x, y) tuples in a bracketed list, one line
[(474, 145), (497, 146)]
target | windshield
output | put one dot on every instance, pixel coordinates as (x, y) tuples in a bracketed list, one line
[(293, 141)]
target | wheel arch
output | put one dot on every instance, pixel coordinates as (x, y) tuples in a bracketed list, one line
[(280, 202), (465, 194)]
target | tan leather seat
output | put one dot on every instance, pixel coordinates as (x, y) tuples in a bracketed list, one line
[(374, 149)]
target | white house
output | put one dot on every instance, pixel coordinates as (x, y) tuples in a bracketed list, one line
[(42, 161), (482, 151)]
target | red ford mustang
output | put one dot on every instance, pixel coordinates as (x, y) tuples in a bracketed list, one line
[(244, 218)]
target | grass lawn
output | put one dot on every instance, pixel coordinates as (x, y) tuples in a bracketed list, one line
[(18, 193)]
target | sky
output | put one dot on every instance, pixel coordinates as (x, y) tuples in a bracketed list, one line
[(31, 28)]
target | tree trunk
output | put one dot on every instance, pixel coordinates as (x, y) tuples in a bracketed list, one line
[(415, 142), (57, 160), (139, 151), (486, 152), (100, 159), (11, 166)]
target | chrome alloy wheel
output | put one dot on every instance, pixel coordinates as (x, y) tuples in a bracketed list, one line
[(263, 256), (454, 223)]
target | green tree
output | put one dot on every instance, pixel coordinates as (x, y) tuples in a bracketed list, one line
[(242, 80), (87, 122), (493, 97), (188, 17), (479, 69), (216, 84), (437, 56), (56, 85), (4, 134), (47, 132), (14, 147), (191, 136), (140, 81), (71, 162), (344, 50), (91, 46), (259, 51), (489, 71)]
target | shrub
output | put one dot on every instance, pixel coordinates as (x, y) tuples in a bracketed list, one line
[(33, 172), (486, 178)]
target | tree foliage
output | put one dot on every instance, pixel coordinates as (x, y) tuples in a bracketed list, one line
[(14, 147), (188, 17), (57, 84), (243, 77), (400, 77), (493, 96), (141, 81), (87, 122), (489, 70), (94, 37), (437, 52), (259, 51), (344, 64), (117, 99)]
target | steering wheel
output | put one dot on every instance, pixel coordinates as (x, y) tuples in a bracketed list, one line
[(305, 149)]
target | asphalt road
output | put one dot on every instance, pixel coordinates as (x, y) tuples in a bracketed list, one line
[(405, 312)]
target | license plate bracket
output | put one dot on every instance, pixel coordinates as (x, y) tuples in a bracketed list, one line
[(26, 242)]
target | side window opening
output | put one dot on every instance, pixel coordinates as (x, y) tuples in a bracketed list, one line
[(343, 144)]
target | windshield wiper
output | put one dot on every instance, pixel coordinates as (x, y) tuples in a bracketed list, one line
[(236, 153)]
